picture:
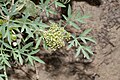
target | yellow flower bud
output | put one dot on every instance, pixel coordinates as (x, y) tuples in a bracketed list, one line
[(55, 37)]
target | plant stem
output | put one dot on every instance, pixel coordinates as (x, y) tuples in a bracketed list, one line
[(5, 73)]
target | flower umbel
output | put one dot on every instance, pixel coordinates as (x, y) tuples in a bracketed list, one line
[(55, 37)]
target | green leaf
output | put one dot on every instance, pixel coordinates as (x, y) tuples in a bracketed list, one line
[(85, 16), (30, 8), (38, 59), (46, 2), (69, 11), (88, 50), (30, 59), (41, 1), (1, 78), (9, 37), (65, 17), (42, 25), (83, 39), (78, 51), (5, 10), (38, 42), (76, 42), (6, 62), (13, 10), (1, 67), (14, 55), (44, 44), (20, 59), (71, 44), (34, 52), (86, 32), (85, 54), (52, 12), (2, 75), (59, 4), (90, 39), (66, 1), (19, 7), (6, 45), (74, 25), (27, 46), (29, 32), (80, 21)]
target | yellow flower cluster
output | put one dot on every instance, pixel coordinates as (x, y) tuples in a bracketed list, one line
[(55, 37)]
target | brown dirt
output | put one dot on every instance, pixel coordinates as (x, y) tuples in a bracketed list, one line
[(105, 65)]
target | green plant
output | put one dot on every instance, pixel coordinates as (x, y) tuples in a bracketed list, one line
[(65, 1), (15, 35), (80, 47)]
